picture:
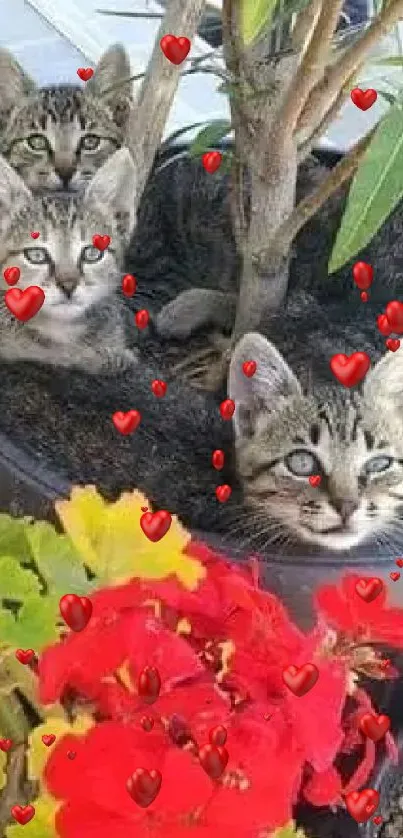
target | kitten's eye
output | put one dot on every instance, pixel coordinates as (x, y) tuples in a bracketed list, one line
[(36, 255), (91, 254), (38, 142), (90, 142), (378, 465), (302, 464)]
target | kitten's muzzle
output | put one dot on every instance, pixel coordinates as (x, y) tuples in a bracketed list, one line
[(345, 507), (67, 284)]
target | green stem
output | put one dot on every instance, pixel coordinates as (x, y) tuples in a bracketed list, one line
[(13, 723)]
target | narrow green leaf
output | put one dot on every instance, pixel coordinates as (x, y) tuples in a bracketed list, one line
[(13, 541), (255, 15), (208, 137), (390, 61), (376, 190), (16, 582), (57, 560), (389, 97)]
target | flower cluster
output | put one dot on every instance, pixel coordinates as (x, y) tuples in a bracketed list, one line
[(220, 651)]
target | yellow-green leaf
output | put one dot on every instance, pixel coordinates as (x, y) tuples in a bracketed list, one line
[(254, 17), (42, 824), (3, 767), (289, 831), (109, 539), (57, 560), (34, 627), (16, 582)]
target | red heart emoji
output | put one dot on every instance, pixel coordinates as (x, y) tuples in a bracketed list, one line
[(212, 161), (5, 744), (214, 760), (363, 99), (394, 314), (129, 285), (223, 493), (227, 408), (374, 726), (155, 524), (76, 611), (147, 723), (23, 814), (71, 754), (142, 318), (24, 304), (11, 275), (363, 275), (377, 820), (350, 370), (383, 325), (101, 242), (364, 297), (399, 562), (362, 804), (218, 459), (218, 736), (393, 344), (300, 679), (48, 739), (143, 786), (85, 73), (149, 684), (394, 575), (127, 422), (249, 368), (315, 480), (35, 235), (159, 388), (25, 656), (368, 589), (175, 49)]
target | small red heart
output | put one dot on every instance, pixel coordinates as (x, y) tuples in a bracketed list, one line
[(212, 161), (218, 736), (218, 459), (374, 726), (11, 275), (175, 49), (24, 304), (394, 314), (101, 242), (227, 408), (71, 754), (377, 820), (364, 297), (350, 369), (214, 760), (23, 814), (249, 368), (126, 422), (159, 388), (155, 524), (48, 739), (35, 235), (363, 99), (147, 723), (393, 344), (300, 679), (25, 656), (383, 325), (399, 562), (368, 589), (76, 611), (143, 786), (385, 663), (129, 285), (315, 480), (394, 575), (5, 744), (85, 73), (142, 318), (149, 684), (223, 493), (363, 275), (362, 804), (144, 508)]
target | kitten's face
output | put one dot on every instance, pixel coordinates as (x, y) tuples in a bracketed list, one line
[(73, 273), (58, 137), (355, 445)]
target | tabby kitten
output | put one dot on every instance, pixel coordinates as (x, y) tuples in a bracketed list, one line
[(57, 137), (80, 322)]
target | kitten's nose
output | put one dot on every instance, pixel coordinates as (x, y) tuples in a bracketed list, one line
[(345, 507), (67, 284), (65, 170)]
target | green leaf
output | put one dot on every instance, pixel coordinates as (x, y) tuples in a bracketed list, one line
[(41, 826), (254, 17), (16, 582), (57, 560), (13, 541), (208, 137), (376, 190), (35, 625), (389, 97), (390, 61)]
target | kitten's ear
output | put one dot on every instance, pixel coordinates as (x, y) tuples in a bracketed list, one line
[(110, 82), (14, 194), (113, 188), (384, 383), (14, 83), (272, 381)]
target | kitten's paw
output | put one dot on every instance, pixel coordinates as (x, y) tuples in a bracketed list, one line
[(176, 321), (206, 368)]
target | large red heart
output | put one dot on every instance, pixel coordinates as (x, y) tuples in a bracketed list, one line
[(213, 759), (374, 726), (175, 49), (363, 275), (24, 304), (211, 161), (363, 99), (143, 786), (5, 744), (155, 524), (85, 73), (368, 589), (127, 422), (76, 611), (149, 684), (362, 804), (101, 242), (25, 656), (383, 325), (300, 679), (23, 814), (11, 275), (350, 370), (394, 314)]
